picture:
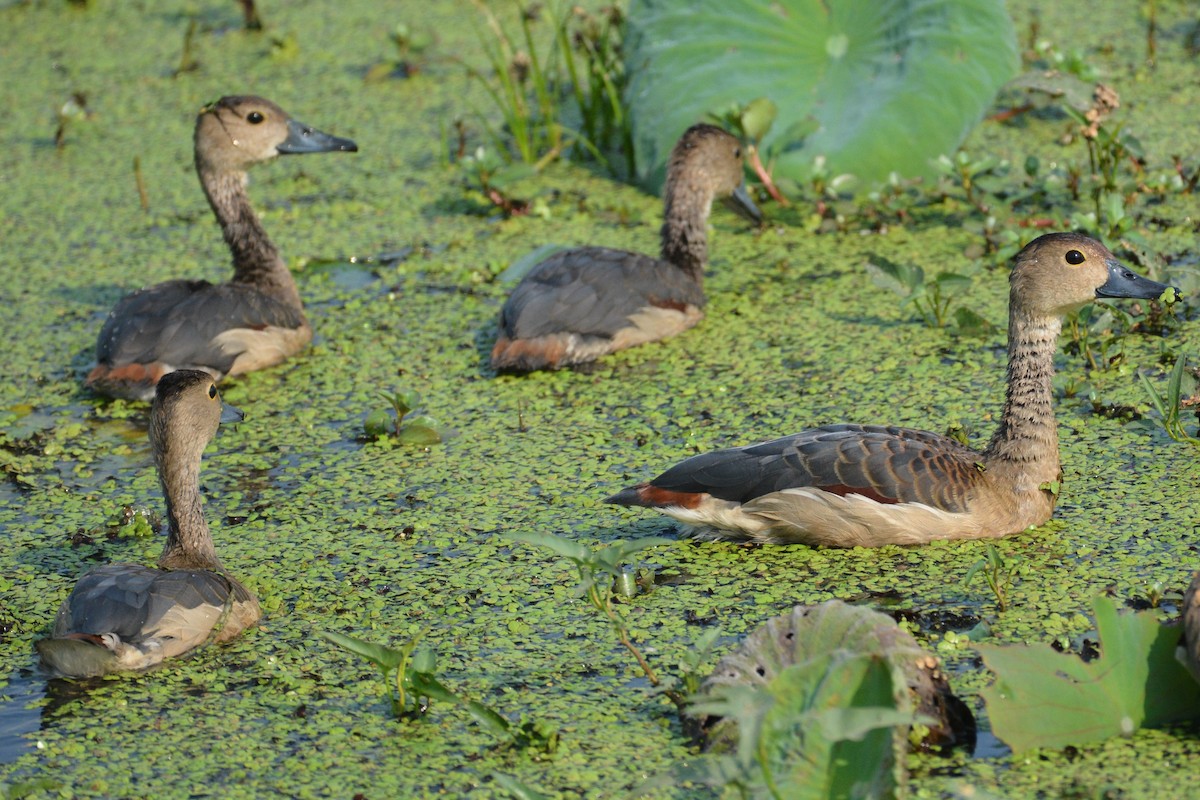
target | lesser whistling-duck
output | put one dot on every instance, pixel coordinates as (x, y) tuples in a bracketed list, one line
[(253, 321), (129, 616), (583, 303), (868, 485)]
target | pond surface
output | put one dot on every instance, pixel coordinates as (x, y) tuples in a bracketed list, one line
[(396, 258)]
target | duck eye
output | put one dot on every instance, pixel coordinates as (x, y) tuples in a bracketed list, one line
[(212, 392), (1074, 257), (737, 152), (254, 117)]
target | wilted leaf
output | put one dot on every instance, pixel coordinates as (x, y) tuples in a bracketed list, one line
[(892, 83), (1042, 698)]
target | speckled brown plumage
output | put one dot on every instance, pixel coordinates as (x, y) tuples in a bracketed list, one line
[(255, 320), (851, 485), (580, 304)]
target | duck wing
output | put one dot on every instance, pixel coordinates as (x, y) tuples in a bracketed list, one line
[(885, 464), (138, 604), (593, 291), (178, 323)]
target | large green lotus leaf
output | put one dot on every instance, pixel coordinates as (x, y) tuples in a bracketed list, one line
[(889, 84), (1042, 698)]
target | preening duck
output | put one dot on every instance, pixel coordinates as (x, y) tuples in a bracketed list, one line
[(583, 303), (129, 616), (869, 485), (253, 321)]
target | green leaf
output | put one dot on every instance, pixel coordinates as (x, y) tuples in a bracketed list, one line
[(516, 788), (377, 422), (420, 431), (891, 84), (1042, 698), (757, 117), (558, 544), (384, 657)]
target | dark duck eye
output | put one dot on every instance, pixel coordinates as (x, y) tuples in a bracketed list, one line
[(212, 392), (255, 117), (1074, 257)]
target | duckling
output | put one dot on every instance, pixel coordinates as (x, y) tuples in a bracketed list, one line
[(255, 320), (583, 303), (870, 485), (130, 617)]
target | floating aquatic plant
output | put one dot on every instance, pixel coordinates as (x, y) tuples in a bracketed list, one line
[(931, 297), (415, 683), (1181, 390), (1135, 682), (875, 87), (602, 574), (419, 430), (1000, 573), (818, 703), (411, 43)]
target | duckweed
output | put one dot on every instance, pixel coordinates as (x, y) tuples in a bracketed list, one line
[(381, 542)]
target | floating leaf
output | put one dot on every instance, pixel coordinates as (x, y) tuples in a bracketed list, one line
[(891, 83), (1042, 698), (420, 431)]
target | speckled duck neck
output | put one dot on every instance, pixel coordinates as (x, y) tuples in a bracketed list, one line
[(189, 543), (685, 214), (1028, 434), (255, 260)]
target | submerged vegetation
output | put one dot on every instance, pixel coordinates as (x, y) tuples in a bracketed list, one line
[(871, 295)]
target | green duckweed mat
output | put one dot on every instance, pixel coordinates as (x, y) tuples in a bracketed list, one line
[(386, 542)]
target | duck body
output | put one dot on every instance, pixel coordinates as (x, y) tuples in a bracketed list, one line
[(870, 485), (583, 303), (255, 320), (130, 616), (223, 329)]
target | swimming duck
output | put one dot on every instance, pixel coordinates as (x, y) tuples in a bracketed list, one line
[(253, 321), (130, 617), (583, 303), (869, 485)]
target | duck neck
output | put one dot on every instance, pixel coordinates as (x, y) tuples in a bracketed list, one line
[(189, 544), (1027, 437), (684, 237), (255, 260)]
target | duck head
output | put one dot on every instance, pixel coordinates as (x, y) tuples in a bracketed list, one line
[(237, 132), (1060, 272), (708, 161), (186, 412)]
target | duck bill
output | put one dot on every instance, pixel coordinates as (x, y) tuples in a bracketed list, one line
[(741, 204), (303, 139), (1124, 282), (231, 414)]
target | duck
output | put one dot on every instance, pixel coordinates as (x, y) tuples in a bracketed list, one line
[(128, 617), (255, 320), (586, 302), (848, 485)]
